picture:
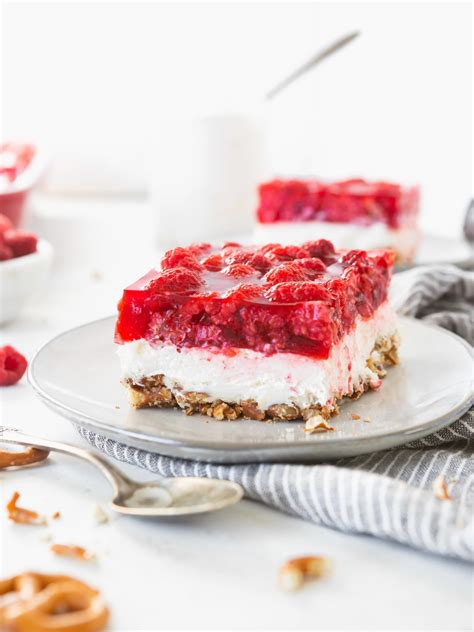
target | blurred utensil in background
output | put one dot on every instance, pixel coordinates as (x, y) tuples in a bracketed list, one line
[(468, 227), (311, 63), (205, 169)]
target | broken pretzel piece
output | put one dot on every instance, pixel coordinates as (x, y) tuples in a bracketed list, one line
[(317, 423), (440, 489), (71, 550), (294, 572), (9, 458), (21, 515)]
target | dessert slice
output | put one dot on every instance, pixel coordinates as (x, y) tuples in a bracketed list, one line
[(267, 332), (351, 213)]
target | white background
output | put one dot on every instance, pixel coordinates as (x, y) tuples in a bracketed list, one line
[(94, 82)]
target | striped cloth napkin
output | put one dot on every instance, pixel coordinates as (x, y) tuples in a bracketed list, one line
[(388, 494)]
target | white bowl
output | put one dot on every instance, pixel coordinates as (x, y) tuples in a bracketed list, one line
[(21, 279)]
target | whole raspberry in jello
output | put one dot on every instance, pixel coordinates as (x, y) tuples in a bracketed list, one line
[(287, 253), (175, 280), (239, 270), (243, 292), (12, 366), (289, 271), (180, 257), (296, 292), (255, 259), (321, 248)]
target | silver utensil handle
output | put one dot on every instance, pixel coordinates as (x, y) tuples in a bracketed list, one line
[(313, 61), (117, 480)]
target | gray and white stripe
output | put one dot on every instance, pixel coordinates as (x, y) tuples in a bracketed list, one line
[(388, 494)]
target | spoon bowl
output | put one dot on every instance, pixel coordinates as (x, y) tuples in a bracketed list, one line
[(178, 497), (163, 497)]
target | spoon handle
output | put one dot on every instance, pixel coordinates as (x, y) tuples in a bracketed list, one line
[(117, 480), (313, 61)]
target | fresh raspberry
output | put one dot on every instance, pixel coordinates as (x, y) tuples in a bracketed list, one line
[(199, 248), (5, 252), (213, 263), (5, 224), (285, 272), (322, 248), (239, 270), (180, 258), (244, 291), (288, 253), (175, 280), (230, 244), (294, 292), (21, 242), (12, 366)]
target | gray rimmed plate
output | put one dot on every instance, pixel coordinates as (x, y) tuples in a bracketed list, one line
[(77, 375)]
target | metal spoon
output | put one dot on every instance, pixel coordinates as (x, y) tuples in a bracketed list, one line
[(313, 61), (164, 497)]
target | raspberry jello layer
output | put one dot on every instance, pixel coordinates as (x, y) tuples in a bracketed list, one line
[(259, 332), (351, 213)]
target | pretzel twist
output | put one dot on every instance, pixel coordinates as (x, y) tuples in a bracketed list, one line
[(51, 603)]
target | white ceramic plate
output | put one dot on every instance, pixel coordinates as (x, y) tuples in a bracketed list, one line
[(77, 375)]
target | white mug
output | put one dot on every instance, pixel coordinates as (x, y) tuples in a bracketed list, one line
[(204, 175)]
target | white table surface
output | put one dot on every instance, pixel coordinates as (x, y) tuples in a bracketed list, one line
[(209, 572)]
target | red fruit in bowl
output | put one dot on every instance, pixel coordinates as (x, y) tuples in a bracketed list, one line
[(5, 224), (5, 252), (12, 366), (21, 242)]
